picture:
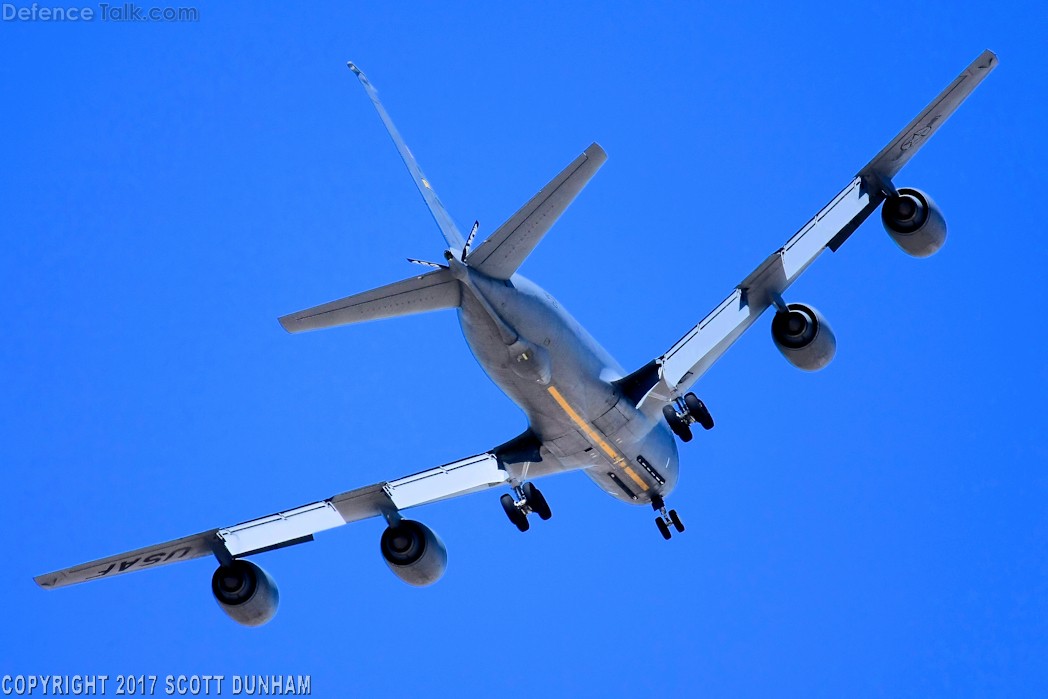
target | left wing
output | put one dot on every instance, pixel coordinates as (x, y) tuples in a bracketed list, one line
[(667, 377), (298, 525)]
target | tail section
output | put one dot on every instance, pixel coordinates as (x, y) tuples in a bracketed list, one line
[(499, 256), (428, 292), (503, 252)]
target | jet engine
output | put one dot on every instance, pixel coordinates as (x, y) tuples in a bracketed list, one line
[(414, 553), (245, 592), (804, 337), (914, 222)]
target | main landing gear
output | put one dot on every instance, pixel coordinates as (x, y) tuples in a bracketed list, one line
[(528, 499), (684, 412), (665, 519)]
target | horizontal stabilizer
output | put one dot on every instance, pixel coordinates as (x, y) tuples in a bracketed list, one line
[(666, 378), (503, 252), (428, 292)]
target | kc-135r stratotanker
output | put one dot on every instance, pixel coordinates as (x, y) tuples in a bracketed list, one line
[(584, 411)]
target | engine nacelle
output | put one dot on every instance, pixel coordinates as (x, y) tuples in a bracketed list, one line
[(804, 337), (414, 552), (245, 592), (914, 222)]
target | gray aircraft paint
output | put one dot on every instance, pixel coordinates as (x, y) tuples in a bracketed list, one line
[(583, 414), (581, 417)]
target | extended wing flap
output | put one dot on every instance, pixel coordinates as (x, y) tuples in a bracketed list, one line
[(691, 356), (298, 524), (270, 532), (458, 478)]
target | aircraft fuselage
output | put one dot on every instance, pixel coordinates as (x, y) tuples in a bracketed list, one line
[(550, 366)]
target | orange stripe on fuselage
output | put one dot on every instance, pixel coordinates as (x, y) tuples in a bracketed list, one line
[(612, 453)]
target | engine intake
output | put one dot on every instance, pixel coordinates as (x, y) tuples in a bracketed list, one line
[(914, 222), (414, 552), (245, 592), (804, 337)]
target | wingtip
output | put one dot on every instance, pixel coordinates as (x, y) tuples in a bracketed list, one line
[(46, 582), (288, 323), (987, 61), (595, 151)]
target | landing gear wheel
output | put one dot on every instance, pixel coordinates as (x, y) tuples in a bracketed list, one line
[(519, 519), (698, 410), (676, 521), (536, 501), (663, 528), (676, 423)]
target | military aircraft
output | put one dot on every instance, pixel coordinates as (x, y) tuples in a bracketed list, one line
[(584, 411)]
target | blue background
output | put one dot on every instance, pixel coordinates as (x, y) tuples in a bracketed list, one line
[(876, 529)]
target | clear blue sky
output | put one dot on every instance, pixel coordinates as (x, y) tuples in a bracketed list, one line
[(168, 190)]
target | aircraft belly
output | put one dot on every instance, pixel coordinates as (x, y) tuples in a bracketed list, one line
[(581, 418), (575, 362)]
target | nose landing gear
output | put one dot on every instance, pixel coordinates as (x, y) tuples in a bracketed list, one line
[(665, 519), (528, 499), (684, 412)]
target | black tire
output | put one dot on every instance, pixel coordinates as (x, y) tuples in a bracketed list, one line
[(677, 425), (537, 501), (699, 411), (508, 505), (677, 524), (518, 518), (663, 528)]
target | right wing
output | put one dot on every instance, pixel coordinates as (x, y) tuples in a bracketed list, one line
[(298, 525), (898, 152), (667, 377)]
